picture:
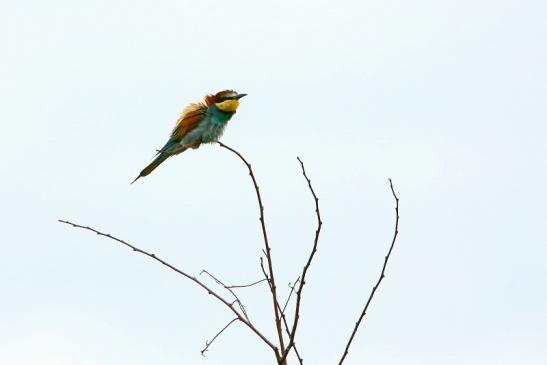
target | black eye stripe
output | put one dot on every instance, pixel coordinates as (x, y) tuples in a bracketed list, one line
[(224, 98)]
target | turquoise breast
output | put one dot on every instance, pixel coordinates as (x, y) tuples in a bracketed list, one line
[(210, 129)]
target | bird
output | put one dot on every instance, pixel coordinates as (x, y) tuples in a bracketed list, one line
[(201, 122)]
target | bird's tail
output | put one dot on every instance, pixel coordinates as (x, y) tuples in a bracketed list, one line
[(157, 161)]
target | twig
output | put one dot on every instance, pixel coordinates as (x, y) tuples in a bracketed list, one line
[(282, 311), (268, 253), (284, 318), (266, 277), (209, 343), (290, 294), (307, 266), (239, 302), (364, 312), (192, 278), (245, 285)]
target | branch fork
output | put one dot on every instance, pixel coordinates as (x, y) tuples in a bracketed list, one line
[(282, 326)]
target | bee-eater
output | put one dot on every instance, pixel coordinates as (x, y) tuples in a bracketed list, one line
[(199, 123)]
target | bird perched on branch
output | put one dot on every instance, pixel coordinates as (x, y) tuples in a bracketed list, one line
[(199, 123)]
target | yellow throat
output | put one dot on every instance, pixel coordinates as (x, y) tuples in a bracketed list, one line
[(228, 105)]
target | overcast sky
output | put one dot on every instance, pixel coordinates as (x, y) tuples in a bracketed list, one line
[(448, 98)]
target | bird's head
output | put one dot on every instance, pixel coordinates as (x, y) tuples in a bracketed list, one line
[(227, 100)]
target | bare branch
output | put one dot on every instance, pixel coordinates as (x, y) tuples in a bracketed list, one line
[(268, 253), (284, 318), (192, 278), (374, 288), (228, 287), (264, 272), (307, 266), (290, 293), (209, 343), (237, 300), (245, 285), (282, 311)]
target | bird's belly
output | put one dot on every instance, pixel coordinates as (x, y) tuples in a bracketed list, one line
[(206, 133), (212, 133)]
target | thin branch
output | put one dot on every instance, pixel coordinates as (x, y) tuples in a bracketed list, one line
[(268, 253), (239, 302), (290, 294), (364, 312), (245, 285), (192, 278), (232, 286), (209, 343), (266, 277), (282, 311), (286, 325), (284, 318), (307, 266)]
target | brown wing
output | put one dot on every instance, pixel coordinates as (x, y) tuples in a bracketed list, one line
[(188, 120)]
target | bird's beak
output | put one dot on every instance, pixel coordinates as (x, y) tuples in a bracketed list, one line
[(239, 96)]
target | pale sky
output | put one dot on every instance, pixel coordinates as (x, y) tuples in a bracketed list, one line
[(448, 98)]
